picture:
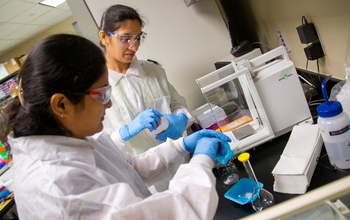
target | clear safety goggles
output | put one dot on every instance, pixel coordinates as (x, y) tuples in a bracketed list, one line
[(130, 40), (101, 95)]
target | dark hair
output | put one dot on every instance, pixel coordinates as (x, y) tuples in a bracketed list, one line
[(60, 63), (116, 16)]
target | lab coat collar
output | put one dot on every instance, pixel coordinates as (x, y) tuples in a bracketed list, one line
[(134, 69), (53, 147)]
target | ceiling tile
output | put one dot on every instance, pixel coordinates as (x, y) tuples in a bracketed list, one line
[(24, 32), (13, 9), (64, 6), (7, 45), (40, 29), (30, 14), (59, 18), (48, 16), (21, 20), (33, 1), (4, 2), (8, 28)]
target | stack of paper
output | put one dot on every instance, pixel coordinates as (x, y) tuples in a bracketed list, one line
[(297, 164)]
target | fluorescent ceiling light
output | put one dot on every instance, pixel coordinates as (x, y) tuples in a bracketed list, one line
[(52, 3)]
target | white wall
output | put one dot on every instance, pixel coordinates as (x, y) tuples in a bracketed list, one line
[(86, 23), (186, 41)]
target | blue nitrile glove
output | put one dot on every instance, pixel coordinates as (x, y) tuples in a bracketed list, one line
[(207, 146), (176, 127), (224, 153), (190, 142), (146, 119)]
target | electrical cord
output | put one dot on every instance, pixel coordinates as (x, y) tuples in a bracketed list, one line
[(303, 19), (307, 64), (315, 117), (306, 81), (302, 22), (310, 78), (333, 167), (318, 71), (317, 100), (314, 104), (262, 44), (310, 84)]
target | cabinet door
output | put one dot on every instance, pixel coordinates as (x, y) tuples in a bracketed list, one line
[(235, 107)]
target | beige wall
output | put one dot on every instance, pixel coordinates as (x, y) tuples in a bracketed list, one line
[(331, 17), (187, 41), (62, 27)]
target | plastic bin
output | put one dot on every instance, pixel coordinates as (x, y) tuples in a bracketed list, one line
[(206, 119)]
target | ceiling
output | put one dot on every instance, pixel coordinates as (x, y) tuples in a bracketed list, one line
[(21, 20)]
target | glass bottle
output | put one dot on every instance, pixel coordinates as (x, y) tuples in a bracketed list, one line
[(228, 172)]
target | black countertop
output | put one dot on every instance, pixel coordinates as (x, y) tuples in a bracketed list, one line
[(263, 159)]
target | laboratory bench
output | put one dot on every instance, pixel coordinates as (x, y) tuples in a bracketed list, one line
[(6, 207), (263, 159)]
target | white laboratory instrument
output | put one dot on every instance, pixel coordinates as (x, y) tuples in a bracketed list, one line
[(264, 92)]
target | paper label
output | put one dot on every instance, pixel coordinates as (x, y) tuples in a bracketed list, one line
[(339, 132)]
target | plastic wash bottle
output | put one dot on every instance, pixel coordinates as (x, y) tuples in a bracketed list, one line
[(164, 124), (334, 125)]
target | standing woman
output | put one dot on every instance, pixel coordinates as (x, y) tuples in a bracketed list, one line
[(137, 85)]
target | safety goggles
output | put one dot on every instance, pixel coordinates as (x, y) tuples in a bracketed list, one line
[(130, 40), (100, 95)]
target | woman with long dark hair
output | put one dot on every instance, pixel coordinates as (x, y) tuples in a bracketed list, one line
[(61, 172)]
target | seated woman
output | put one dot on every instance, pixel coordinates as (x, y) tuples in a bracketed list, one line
[(62, 173)]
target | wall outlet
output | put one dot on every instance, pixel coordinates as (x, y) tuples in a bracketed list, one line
[(282, 38)]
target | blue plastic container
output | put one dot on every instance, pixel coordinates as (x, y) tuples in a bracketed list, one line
[(244, 191)]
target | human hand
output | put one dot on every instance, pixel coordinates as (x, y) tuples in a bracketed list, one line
[(224, 153), (146, 119), (190, 142), (207, 146), (176, 127)]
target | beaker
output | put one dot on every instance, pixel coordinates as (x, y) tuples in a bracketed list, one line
[(265, 198), (228, 172)]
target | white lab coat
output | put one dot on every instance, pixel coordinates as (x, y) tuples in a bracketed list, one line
[(144, 85), (57, 177)]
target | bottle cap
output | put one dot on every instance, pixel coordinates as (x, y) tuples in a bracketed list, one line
[(328, 108), (333, 109), (244, 157)]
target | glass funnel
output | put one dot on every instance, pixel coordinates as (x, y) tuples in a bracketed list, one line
[(265, 199)]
